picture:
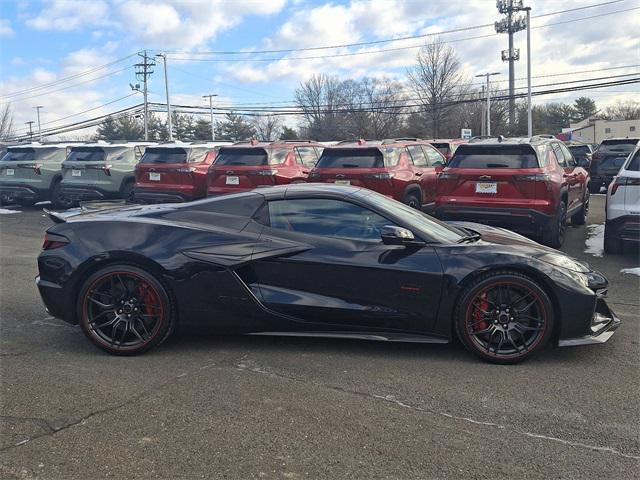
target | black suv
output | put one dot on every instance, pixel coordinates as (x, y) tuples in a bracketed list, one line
[(607, 160)]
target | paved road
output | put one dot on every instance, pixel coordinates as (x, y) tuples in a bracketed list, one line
[(251, 407)]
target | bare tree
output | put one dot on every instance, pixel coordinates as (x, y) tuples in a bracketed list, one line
[(320, 98), (6, 123), (436, 79), (268, 127), (629, 110)]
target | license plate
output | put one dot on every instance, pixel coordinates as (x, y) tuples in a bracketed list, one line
[(486, 187), (155, 177), (76, 173), (233, 181), (10, 171), (342, 182)]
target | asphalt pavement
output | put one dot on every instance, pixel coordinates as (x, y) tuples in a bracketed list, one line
[(256, 407)]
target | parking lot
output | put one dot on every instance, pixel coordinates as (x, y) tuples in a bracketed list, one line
[(258, 407)]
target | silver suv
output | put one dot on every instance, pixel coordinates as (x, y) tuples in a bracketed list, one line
[(100, 171), (31, 172)]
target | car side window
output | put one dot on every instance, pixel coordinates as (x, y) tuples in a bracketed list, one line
[(559, 155), (326, 218), (568, 156), (552, 159), (634, 164), (306, 156), (417, 156), (434, 156)]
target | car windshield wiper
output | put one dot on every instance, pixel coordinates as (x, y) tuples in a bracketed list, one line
[(497, 165), (474, 237)]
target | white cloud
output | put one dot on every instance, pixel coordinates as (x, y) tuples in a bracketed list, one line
[(68, 15), (5, 28)]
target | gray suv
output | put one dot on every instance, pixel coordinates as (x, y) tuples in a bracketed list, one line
[(100, 171), (31, 173)]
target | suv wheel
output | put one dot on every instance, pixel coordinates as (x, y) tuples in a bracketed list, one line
[(553, 235), (127, 192), (580, 217), (611, 243), (25, 202), (58, 200), (413, 201), (594, 187)]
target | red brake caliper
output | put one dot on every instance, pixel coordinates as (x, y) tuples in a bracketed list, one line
[(148, 297), (478, 317)]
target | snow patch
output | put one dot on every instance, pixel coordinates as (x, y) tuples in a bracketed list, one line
[(631, 271), (595, 240), (6, 211), (46, 202)]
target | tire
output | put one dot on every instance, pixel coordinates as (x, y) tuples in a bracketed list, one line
[(554, 234), (490, 321), (594, 187), (580, 217), (612, 244), (58, 200), (25, 203), (127, 192), (123, 329), (413, 200)]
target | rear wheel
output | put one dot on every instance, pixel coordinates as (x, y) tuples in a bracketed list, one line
[(580, 217), (127, 192), (413, 200), (553, 235), (612, 244), (504, 317), (58, 200), (125, 310)]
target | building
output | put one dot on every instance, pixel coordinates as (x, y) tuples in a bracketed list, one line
[(594, 130)]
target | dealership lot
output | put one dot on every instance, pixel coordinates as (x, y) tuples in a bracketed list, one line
[(243, 407)]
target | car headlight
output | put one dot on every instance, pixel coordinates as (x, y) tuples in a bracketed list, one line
[(563, 261)]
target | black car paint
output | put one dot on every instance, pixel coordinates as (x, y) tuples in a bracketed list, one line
[(233, 273)]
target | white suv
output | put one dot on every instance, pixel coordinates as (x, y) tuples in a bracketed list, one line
[(623, 206)]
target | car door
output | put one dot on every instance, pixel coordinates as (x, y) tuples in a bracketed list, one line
[(346, 279), (570, 176), (425, 174), (580, 175), (306, 157)]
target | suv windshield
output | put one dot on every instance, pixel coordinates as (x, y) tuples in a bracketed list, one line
[(443, 147), (623, 146), (351, 158), (164, 155), (634, 163), (579, 150), (27, 154), (86, 154), (250, 157), (494, 156)]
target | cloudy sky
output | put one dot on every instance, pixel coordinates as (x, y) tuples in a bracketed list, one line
[(74, 56)]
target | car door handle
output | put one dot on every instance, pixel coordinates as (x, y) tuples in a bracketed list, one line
[(305, 171), (418, 174)]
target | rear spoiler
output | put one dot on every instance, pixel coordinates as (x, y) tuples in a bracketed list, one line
[(59, 217), (86, 207)]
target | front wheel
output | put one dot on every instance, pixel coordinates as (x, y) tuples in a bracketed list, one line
[(580, 217), (504, 317), (125, 310), (413, 200), (553, 235)]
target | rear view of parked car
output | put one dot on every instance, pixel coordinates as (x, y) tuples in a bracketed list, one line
[(174, 172), (623, 206), (99, 171), (608, 159), (403, 169), (527, 185), (253, 164), (31, 173)]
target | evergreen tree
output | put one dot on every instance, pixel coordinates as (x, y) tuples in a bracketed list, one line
[(234, 127), (584, 107)]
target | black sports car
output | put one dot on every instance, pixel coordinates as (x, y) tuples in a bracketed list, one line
[(314, 260)]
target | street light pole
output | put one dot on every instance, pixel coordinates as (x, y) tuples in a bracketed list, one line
[(487, 75), (30, 123), (529, 107), (166, 87), (39, 130), (210, 97)]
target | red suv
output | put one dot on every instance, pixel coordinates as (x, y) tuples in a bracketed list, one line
[(174, 172), (403, 168), (529, 185), (252, 164), (447, 147)]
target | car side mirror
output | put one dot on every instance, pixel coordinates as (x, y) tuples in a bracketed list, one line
[(439, 166), (392, 235)]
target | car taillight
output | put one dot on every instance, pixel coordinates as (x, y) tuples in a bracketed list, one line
[(537, 177), (623, 181), (263, 173), (380, 176), (186, 170), (52, 241), (104, 168), (448, 176)]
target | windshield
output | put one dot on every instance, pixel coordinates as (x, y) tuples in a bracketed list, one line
[(624, 147), (351, 158), (579, 150), (27, 154), (164, 155), (86, 154), (420, 223), (494, 156), (443, 147), (250, 157)]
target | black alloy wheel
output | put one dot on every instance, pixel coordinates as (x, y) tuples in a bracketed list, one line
[(125, 310), (504, 317), (412, 200), (59, 200)]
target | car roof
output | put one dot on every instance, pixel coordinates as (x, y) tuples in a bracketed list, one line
[(617, 139), (497, 141), (275, 143)]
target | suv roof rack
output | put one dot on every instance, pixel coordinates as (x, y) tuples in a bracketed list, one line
[(359, 141), (400, 139), (295, 141), (253, 141)]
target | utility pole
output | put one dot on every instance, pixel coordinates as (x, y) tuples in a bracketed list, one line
[(30, 129), (529, 106), (487, 75), (210, 97), (143, 72), (166, 87), (510, 25), (39, 130), (482, 115)]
